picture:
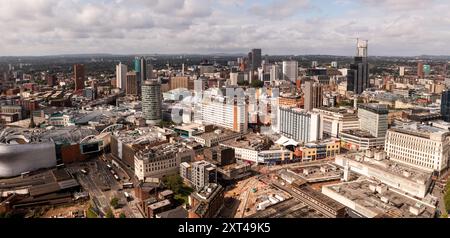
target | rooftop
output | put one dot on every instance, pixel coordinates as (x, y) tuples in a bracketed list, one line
[(217, 133), (63, 135), (178, 212), (291, 208), (161, 204), (318, 173), (375, 108), (389, 166), (208, 192), (359, 133), (250, 141), (161, 151), (420, 130), (363, 194), (141, 136)]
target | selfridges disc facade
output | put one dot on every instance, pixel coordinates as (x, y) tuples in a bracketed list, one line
[(21, 158)]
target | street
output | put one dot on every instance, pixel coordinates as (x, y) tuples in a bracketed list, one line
[(101, 185)]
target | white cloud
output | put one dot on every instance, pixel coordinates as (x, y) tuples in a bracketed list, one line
[(279, 9), (42, 27)]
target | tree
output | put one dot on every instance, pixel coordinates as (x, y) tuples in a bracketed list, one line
[(90, 213), (174, 183), (243, 83), (257, 84), (109, 214), (114, 202), (122, 215)]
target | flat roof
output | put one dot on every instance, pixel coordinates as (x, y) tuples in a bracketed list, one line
[(160, 204), (376, 108), (217, 133), (319, 172), (290, 208), (420, 130), (249, 141), (394, 204), (359, 133), (392, 167)]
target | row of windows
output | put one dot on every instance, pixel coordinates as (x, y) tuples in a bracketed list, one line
[(415, 145), (160, 163), (168, 166), (412, 161), (411, 152)]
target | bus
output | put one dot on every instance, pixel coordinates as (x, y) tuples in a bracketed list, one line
[(127, 196), (127, 185), (25, 174)]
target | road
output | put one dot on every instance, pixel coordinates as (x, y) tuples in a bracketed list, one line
[(274, 168), (101, 185)]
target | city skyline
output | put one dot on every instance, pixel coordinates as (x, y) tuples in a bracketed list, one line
[(49, 27)]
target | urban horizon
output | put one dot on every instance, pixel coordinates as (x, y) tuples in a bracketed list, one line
[(267, 129)]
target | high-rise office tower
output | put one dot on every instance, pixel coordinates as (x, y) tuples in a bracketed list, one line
[(140, 66), (152, 101), (401, 71), (314, 64), (374, 119), (256, 59), (426, 70), (150, 74), (445, 106), (121, 75), (358, 74), (313, 93), (290, 70), (420, 72), (79, 75), (131, 87), (275, 73), (51, 80)]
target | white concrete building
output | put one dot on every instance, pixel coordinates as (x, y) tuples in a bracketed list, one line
[(290, 70), (121, 76), (257, 149), (333, 121), (421, 146), (199, 174), (177, 94), (375, 165), (161, 161), (227, 115), (374, 119), (275, 73), (299, 125)]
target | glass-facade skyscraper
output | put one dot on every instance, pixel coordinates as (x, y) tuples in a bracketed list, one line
[(358, 75), (445, 106), (140, 66)]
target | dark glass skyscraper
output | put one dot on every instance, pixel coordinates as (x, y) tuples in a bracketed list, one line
[(445, 106), (256, 59), (140, 66), (358, 74)]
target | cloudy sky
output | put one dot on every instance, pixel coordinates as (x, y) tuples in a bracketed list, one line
[(393, 27)]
